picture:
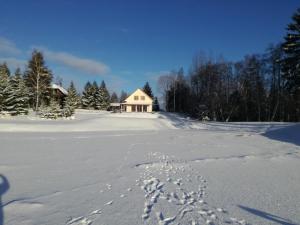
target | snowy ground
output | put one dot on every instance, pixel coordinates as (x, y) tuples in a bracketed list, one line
[(107, 169)]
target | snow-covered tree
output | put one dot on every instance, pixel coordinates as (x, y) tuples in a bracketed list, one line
[(38, 79), (4, 83), (9, 102), (22, 100), (87, 99), (72, 100), (96, 95), (17, 99), (147, 89), (114, 98), (104, 97)]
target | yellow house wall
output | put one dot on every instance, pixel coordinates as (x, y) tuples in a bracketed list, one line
[(131, 101)]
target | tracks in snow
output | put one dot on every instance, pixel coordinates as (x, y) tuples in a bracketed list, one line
[(175, 194)]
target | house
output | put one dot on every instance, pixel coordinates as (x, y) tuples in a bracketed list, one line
[(58, 93), (138, 101), (114, 107)]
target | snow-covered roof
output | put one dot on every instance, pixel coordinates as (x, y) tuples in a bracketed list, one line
[(115, 104), (55, 86)]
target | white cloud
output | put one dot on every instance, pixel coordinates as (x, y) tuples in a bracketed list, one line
[(14, 63), (8, 47), (83, 64)]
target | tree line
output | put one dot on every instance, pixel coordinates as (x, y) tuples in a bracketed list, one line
[(260, 87), (32, 89)]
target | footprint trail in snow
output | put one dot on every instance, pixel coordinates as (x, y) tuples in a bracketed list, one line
[(175, 194)]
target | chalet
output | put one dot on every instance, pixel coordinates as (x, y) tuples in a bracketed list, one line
[(58, 93), (138, 101)]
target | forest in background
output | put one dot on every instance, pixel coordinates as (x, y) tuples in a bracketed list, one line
[(261, 87)]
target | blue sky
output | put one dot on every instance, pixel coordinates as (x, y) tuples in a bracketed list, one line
[(127, 43)]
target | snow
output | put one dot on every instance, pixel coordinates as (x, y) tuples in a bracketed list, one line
[(110, 168), (55, 86)]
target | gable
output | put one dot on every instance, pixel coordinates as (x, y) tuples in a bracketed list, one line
[(139, 97)]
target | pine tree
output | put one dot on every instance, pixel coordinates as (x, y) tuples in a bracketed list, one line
[(155, 106), (96, 95), (72, 100), (104, 97), (38, 79), (4, 84), (53, 111), (147, 89), (291, 46), (114, 98), (10, 101), (291, 66), (22, 104), (17, 99), (123, 96), (87, 99)]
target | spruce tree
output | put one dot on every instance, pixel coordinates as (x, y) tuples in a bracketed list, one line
[(10, 101), (155, 106), (291, 46), (38, 79), (291, 66), (114, 98), (17, 98), (4, 84), (87, 96), (104, 97), (147, 89), (123, 96), (96, 95), (72, 100), (22, 105), (53, 111)]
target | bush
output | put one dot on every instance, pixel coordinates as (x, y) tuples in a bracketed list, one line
[(54, 111)]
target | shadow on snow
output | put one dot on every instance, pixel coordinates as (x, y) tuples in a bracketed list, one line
[(290, 134), (4, 186), (267, 216)]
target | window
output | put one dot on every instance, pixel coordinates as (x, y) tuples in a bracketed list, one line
[(143, 98), (136, 98)]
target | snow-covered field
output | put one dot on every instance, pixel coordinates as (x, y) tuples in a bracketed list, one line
[(115, 169)]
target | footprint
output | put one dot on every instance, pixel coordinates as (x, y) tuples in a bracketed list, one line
[(95, 212), (80, 221), (109, 203)]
